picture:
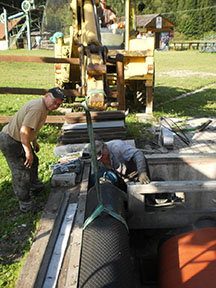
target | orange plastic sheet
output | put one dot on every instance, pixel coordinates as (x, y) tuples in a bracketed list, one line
[(189, 260)]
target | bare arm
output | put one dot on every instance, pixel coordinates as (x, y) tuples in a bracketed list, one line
[(25, 140), (140, 161)]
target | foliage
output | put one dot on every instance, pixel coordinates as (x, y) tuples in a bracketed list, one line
[(193, 18), (58, 16)]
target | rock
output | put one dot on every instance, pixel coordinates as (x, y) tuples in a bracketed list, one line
[(64, 180)]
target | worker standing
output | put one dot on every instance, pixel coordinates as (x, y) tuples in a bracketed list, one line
[(18, 144), (121, 158)]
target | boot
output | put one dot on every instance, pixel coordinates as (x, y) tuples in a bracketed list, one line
[(25, 206)]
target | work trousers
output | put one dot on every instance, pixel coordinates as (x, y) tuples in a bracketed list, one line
[(22, 177)]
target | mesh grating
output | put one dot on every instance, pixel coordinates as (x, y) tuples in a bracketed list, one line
[(105, 260)]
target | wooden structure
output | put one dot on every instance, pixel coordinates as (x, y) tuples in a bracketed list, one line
[(155, 23), (107, 126), (192, 44)]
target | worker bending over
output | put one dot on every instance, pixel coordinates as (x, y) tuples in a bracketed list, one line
[(18, 144), (121, 158)]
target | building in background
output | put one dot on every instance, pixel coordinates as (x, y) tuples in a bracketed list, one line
[(157, 24)]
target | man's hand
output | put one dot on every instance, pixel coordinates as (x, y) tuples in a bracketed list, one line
[(143, 178), (29, 158)]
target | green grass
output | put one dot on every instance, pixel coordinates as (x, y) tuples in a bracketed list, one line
[(184, 60), (176, 73), (179, 72)]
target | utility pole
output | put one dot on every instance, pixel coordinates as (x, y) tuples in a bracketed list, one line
[(26, 7), (6, 28), (28, 20)]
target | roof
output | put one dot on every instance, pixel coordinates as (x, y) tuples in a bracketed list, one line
[(144, 20), (11, 25), (148, 20)]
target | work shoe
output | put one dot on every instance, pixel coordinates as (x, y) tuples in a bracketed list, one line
[(25, 206), (36, 187)]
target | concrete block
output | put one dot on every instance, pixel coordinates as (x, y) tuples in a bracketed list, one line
[(64, 180)]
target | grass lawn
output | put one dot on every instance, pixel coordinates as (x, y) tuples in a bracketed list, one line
[(177, 72)]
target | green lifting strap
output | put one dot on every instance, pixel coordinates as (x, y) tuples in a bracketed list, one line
[(93, 152), (95, 92), (100, 207)]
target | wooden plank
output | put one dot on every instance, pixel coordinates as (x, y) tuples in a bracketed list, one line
[(85, 136), (42, 237), (41, 273), (74, 117), (18, 91), (130, 54), (55, 119), (74, 140), (95, 125), (120, 81), (32, 59), (60, 247), (98, 130), (77, 232), (35, 91), (77, 118), (50, 119), (149, 100), (173, 187)]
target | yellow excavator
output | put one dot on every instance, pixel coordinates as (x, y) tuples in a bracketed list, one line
[(107, 60)]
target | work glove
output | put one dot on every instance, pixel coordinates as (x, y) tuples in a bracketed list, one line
[(143, 178)]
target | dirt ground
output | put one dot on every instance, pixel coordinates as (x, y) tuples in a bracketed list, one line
[(184, 73), (187, 139)]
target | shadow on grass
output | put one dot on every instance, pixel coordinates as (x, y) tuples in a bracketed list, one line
[(200, 104)]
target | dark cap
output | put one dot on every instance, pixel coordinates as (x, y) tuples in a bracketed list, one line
[(99, 149), (57, 93)]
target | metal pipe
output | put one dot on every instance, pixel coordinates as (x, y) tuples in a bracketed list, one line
[(20, 14), (127, 24), (6, 27), (28, 30)]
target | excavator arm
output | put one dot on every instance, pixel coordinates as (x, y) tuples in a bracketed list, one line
[(85, 43)]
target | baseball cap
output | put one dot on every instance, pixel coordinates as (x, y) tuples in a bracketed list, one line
[(99, 148), (57, 93)]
